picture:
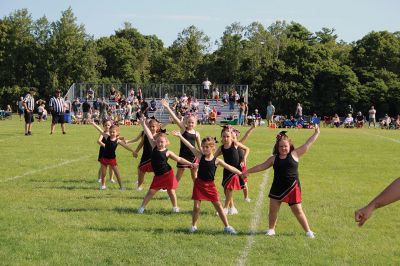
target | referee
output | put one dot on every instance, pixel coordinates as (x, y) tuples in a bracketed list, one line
[(29, 105), (57, 109)]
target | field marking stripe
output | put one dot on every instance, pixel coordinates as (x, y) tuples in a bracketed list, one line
[(255, 220), (45, 168), (391, 139)]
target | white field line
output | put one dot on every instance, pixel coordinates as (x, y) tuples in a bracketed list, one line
[(255, 220), (44, 168), (391, 139)]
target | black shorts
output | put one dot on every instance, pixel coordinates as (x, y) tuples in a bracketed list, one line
[(58, 118), (205, 91), (20, 111), (28, 117)]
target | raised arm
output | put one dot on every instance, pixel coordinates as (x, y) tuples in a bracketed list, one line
[(172, 114), (389, 195), (180, 160), (247, 134), (228, 167), (198, 141), (98, 128), (261, 167), (304, 148), (195, 151), (147, 132)]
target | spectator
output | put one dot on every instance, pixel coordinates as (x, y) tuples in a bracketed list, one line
[(397, 122), (237, 96), (225, 98), (29, 106), (8, 111), (348, 121), (359, 120), (212, 116), (86, 110), (385, 122), (299, 111), (215, 94), (144, 108), (349, 110), (153, 105), (131, 96), (76, 105), (232, 100), (44, 115), (68, 108), (113, 94), (257, 117), (206, 88), (195, 106), (57, 108), (90, 94), (20, 107), (103, 107), (371, 118), (241, 113), (336, 120), (139, 95), (270, 113), (128, 112), (40, 111)]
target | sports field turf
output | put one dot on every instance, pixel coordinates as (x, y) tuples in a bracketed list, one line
[(53, 213)]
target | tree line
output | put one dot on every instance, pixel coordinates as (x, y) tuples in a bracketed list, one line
[(283, 62)]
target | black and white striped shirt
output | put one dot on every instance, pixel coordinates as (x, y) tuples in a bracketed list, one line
[(58, 104), (29, 101)]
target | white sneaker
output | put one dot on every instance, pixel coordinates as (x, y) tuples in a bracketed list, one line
[(112, 181), (99, 180), (226, 211), (175, 209), (103, 187), (140, 210), (192, 229), (163, 190), (247, 200), (270, 232), (230, 230), (139, 188), (232, 211), (310, 234)]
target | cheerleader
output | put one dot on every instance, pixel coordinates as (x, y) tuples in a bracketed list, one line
[(111, 141), (204, 188), (106, 127), (286, 184), (231, 181), (145, 160), (164, 177), (189, 133)]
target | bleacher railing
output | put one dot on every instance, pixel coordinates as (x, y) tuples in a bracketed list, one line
[(79, 90)]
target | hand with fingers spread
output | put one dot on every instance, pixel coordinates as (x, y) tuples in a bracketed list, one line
[(176, 133)]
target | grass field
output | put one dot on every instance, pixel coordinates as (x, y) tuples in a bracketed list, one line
[(53, 213)]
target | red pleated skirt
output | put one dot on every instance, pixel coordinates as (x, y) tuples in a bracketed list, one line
[(294, 196), (244, 169), (105, 161), (205, 190), (146, 167), (165, 181), (233, 183)]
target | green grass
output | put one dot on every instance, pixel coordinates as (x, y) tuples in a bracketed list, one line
[(57, 215)]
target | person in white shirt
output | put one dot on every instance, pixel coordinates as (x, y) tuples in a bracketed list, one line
[(371, 118), (206, 87)]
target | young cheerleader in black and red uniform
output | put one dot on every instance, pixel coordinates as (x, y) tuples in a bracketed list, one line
[(286, 184), (189, 133), (145, 161), (231, 181), (164, 177), (111, 141), (204, 187)]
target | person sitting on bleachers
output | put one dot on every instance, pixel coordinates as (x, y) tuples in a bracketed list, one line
[(397, 122), (300, 122), (385, 122), (289, 122), (153, 105), (212, 116), (336, 120), (257, 117), (359, 120), (348, 121)]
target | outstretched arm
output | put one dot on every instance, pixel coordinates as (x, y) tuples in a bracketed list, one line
[(304, 148), (195, 151), (134, 139), (228, 167), (180, 160), (172, 114), (247, 134), (147, 132), (261, 167), (389, 195), (99, 129), (122, 143)]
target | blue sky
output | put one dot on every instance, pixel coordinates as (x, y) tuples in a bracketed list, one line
[(352, 19)]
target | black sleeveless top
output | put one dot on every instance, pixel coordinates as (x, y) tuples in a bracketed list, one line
[(159, 162), (285, 174), (231, 157), (184, 151), (109, 149), (147, 149), (241, 154), (101, 150), (207, 169)]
